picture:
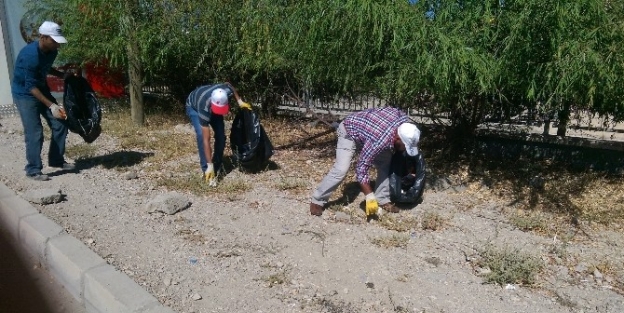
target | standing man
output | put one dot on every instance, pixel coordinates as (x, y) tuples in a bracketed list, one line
[(34, 100), (206, 106), (375, 132)]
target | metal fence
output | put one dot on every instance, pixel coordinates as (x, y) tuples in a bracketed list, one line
[(8, 110), (332, 108)]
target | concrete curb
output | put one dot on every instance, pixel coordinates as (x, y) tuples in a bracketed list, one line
[(94, 283)]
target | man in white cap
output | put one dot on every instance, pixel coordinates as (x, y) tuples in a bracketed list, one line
[(376, 133), (205, 107), (32, 96)]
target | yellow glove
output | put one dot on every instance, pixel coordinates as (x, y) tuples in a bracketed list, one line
[(244, 105), (371, 204), (209, 176)]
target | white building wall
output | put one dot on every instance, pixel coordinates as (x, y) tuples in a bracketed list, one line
[(5, 82), (11, 42)]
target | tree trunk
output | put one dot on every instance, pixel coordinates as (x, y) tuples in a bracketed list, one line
[(136, 85), (564, 119), (546, 131), (135, 68)]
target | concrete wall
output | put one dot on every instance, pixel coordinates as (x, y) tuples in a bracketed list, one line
[(5, 83), (11, 42)]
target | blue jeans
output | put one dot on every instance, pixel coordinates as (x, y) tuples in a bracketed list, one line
[(218, 126), (31, 111)]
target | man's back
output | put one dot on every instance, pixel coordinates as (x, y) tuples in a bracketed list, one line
[(31, 70)]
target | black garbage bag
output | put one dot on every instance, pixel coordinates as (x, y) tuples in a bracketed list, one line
[(84, 113), (407, 178), (251, 147)]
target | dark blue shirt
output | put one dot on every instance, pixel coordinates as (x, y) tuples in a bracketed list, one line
[(199, 100), (31, 70)]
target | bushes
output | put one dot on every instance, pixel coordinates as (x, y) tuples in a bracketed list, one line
[(476, 58)]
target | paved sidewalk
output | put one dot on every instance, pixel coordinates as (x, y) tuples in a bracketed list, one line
[(97, 286)]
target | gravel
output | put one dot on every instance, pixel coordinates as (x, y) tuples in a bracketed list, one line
[(263, 252)]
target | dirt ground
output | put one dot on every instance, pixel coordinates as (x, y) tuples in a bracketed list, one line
[(257, 249)]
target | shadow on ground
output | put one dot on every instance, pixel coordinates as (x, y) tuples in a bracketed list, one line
[(546, 174), (118, 159), (229, 165)]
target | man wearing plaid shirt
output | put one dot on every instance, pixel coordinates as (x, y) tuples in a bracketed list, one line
[(376, 133)]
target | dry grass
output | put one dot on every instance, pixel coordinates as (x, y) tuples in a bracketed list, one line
[(275, 279), (393, 241), (192, 235), (564, 198), (529, 221), (172, 158), (433, 221), (551, 195), (83, 150), (156, 136), (398, 223), (291, 183)]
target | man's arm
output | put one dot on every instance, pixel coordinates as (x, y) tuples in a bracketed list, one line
[(56, 73), (206, 142), (236, 96), (57, 111), (37, 93), (366, 188)]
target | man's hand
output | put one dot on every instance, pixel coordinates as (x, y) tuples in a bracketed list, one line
[(371, 204), (209, 176), (58, 112), (244, 105)]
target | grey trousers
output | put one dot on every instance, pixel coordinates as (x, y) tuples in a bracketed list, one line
[(345, 150)]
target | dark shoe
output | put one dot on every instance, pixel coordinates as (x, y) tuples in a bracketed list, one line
[(66, 166), (39, 177), (389, 207), (316, 209)]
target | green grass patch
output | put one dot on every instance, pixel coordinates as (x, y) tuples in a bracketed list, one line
[(509, 266)]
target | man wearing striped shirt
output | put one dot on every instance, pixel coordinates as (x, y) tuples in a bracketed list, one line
[(205, 107), (376, 133)]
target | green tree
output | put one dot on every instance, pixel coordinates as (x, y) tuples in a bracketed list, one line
[(565, 55), (175, 44), (102, 31), (467, 59)]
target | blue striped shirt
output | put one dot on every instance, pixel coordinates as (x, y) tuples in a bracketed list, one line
[(199, 100), (373, 131), (31, 70)]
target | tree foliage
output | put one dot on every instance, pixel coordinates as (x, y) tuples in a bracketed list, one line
[(468, 59)]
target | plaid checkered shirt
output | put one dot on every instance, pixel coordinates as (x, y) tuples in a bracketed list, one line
[(373, 132)]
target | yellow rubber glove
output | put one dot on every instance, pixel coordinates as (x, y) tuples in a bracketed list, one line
[(244, 105), (371, 204), (209, 176)]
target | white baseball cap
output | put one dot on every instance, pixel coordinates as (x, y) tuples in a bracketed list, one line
[(53, 30), (220, 102), (410, 136)]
